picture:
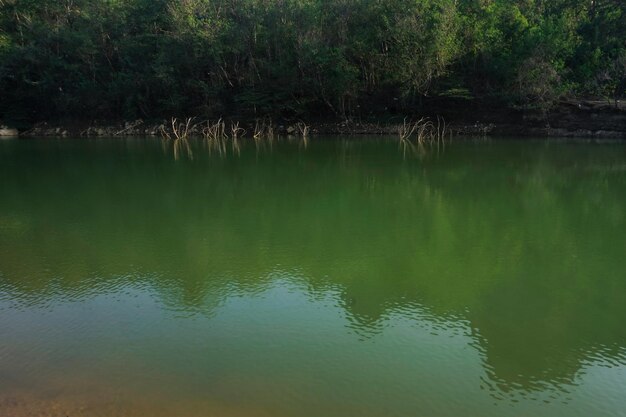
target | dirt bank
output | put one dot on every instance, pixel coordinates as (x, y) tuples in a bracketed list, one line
[(582, 119)]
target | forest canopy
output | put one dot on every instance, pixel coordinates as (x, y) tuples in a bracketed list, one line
[(159, 58)]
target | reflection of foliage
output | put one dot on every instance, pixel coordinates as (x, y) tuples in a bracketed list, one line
[(524, 242)]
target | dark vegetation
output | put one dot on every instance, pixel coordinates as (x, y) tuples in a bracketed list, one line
[(127, 59)]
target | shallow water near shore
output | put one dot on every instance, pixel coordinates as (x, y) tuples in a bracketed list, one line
[(333, 277)]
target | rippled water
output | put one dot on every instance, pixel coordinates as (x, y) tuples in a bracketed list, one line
[(334, 278)]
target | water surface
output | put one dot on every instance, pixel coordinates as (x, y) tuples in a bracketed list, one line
[(334, 278)]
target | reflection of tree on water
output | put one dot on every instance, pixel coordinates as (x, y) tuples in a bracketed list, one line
[(526, 248)]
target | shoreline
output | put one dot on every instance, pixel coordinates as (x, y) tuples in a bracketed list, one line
[(578, 119), (479, 129)]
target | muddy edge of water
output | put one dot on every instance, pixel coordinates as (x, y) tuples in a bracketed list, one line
[(568, 119)]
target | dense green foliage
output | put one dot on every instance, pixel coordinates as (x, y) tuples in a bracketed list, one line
[(154, 58)]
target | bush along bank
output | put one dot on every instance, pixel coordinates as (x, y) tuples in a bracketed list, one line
[(302, 59)]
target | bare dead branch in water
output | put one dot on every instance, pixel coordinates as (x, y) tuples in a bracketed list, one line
[(303, 129), (179, 134), (425, 131), (236, 131), (417, 136), (263, 129)]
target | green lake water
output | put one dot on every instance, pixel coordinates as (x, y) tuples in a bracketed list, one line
[(335, 278)]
